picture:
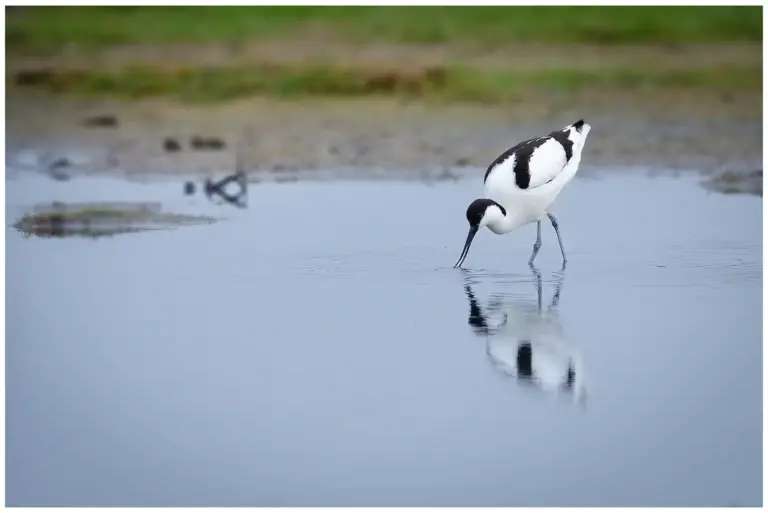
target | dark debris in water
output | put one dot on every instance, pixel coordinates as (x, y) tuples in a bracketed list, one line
[(94, 220), (57, 167)]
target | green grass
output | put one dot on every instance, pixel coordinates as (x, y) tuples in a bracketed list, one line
[(47, 29), (450, 83)]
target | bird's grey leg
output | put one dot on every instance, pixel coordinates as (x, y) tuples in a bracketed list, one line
[(553, 220), (536, 245)]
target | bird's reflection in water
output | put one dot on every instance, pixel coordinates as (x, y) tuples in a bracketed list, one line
[(527, 342), (219, 190)]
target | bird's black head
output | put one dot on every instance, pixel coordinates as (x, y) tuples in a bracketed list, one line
[(578, 125), (476, 210), (475, 213)]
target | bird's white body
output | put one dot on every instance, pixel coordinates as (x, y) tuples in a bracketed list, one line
[(549, 170)]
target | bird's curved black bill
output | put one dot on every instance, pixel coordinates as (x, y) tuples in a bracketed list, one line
[(465, 251)]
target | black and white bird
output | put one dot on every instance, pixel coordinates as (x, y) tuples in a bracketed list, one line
[(524, 181)]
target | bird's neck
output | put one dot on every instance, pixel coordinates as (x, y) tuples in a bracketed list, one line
[(504, 224)]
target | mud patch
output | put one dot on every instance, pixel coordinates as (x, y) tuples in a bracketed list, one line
[(94, 220), (736, 182), (277, 138)]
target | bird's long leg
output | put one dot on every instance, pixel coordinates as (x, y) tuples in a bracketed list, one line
[(536, 245), (553, 220)]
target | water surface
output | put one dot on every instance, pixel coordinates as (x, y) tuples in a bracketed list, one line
[(318, 349)]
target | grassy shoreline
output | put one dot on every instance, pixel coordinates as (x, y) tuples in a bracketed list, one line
[(47, 29), (488, 55)]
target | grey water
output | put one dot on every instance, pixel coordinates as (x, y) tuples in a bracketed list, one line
[(318, 349)]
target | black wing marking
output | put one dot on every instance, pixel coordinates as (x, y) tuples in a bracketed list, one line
[(523, 152), (561, 136)]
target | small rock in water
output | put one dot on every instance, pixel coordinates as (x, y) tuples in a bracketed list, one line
[(57, 167), (206, 143), (189, 188), (103, 121), (171, 145), (61, 162)]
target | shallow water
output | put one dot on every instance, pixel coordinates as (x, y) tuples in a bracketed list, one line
[(318, 348)]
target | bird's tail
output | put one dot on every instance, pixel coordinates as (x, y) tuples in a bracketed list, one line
[(579, 135)]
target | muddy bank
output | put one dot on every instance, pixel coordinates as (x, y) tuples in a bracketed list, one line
[(94, 220), (736, 182), (703, 131)]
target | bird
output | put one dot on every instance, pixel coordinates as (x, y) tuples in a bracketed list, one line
[(523, 182), (524, 342)]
